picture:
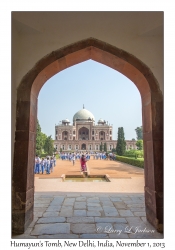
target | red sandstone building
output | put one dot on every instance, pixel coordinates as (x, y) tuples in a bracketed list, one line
[(84, 134)]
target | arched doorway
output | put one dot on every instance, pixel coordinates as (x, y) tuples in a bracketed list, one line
[(65, 135), (102, 135), (83, 134), (83, 146), (26, 116)]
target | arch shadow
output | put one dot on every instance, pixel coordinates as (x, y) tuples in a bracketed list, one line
[(26, 117)]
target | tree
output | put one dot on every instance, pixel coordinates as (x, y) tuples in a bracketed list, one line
[(121, 144), (139, 133), (39, 141), (43, 136), (105, 147), (48, 146), (101, 147), (139, 144)]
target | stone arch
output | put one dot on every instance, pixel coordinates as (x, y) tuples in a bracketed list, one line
[(102, 135), (84, 133), (65, 135), (26, 117), (83, 146)]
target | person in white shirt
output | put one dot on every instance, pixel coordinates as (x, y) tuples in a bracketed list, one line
[(54, 159), (51, 164), (42, 165), (37, 164), (73, 159)]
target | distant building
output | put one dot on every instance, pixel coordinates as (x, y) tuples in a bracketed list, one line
[(84, 134)]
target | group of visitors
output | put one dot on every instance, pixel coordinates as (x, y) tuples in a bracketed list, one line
[(111, 156), (100, 156), (74, 156), (87, 155), (46, 164)]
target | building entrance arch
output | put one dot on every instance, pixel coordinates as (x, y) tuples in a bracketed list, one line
[(26, 120), (83, 146), (83, 134), (102, 135)]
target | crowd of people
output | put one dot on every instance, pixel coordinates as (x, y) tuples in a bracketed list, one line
[(74, 156), (87, 155), (46, 164)]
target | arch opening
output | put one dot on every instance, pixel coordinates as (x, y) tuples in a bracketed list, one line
[(25, 135), (102, 135), (83, 146), (83, 134)]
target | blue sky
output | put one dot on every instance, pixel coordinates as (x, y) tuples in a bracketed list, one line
[(104, 92)]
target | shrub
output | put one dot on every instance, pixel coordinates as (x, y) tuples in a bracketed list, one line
[(130, 153), (135, 162), (43, 155), (134, 153), (139, 153), (57, 156)]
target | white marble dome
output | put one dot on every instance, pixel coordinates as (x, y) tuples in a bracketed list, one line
[(83, 114)]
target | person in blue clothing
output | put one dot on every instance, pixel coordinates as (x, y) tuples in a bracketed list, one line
[(42, 165), (70, 157), (48, 166), (104, 156), (51, 164), (45, 163), (54, 159), (73, 158), (37, 165)]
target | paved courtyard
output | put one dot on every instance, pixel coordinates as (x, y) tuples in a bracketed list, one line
[(65, 210), (96, 167)]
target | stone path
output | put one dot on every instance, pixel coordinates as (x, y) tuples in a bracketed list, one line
[(89, 216), (90, 210)]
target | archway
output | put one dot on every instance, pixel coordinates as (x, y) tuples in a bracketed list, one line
[(83, 146), (65, 135), (102, 135), (83, 134), (26, 115)]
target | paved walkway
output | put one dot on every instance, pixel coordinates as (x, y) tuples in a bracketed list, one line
[(64, 210)]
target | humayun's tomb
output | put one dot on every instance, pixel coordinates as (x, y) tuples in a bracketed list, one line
[(84, 134)]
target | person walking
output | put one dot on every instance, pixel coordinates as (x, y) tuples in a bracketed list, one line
[(73, 159), (48, 166), (54, 159), (83, 163), (42, 165), (51, 164), (37, 165)]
